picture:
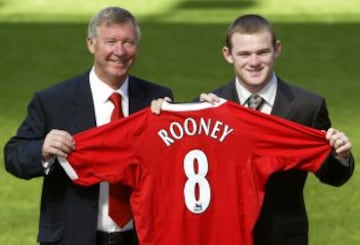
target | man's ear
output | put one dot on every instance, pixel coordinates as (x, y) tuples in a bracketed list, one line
[(90, 42), (277, 48), (227, 55)]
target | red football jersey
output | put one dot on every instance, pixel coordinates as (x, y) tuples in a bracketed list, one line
[(198, 171)]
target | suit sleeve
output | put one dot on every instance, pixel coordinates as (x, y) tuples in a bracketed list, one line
[(22, 153), (107, 153), (332, 172)]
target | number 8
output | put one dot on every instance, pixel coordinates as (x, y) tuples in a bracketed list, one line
[(194, 205)]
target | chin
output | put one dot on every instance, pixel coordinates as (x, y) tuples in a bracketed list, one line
[(256, 82), (118, 72)]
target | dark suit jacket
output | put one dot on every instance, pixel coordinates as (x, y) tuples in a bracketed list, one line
[(283, 219), (68, 214)]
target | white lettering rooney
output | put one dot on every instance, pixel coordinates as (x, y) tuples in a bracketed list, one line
[(217, 130)]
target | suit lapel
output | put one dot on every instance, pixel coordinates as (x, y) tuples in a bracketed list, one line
[(82, 107), (283, 104), (137, 96), (229, 92), (83, 114)]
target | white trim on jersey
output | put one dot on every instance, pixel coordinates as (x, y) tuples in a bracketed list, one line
[(68, 168), (166, 106)]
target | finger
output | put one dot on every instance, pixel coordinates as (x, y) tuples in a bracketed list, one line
[(59, 152), (339, 142), (156, 106), (203, 97), (330, 132), (49, 151), (344, 147), (214, 98), (336, 137), (60, 135), (56, 147), (168, 99), (63, 141), (57, 142), (211, 98), (344, 150)]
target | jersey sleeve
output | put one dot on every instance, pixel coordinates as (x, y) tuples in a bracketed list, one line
[(281, 145), (107, 153), (295, 145)]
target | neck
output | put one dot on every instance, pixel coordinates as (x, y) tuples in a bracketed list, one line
[(113, 82)]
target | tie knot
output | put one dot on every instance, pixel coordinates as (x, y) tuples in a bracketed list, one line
[(255, 102), (115, 98)]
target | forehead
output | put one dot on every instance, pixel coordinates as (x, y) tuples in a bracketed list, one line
[(107, 30), (251, 40)]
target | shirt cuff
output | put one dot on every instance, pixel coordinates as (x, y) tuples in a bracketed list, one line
[(344, 161), (48, 165)]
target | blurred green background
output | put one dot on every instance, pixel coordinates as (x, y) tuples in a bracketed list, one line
[(42, 42)]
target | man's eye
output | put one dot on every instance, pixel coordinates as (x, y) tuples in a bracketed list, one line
[(263, 52), (130, 42), (244, 55)]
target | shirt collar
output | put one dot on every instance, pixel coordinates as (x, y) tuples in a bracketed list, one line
[(268, 92), (101, 91)]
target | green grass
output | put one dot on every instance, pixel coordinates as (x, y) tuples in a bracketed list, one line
[(181, 48)]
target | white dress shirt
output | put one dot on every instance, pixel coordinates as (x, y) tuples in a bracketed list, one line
[(103, 109), (268, 93)]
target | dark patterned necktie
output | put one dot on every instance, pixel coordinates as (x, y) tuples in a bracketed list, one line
[(255, 102), (119, 205)]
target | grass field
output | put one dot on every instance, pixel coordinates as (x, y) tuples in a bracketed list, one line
[(181, 48)]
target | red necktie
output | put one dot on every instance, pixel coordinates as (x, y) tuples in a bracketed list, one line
[(119, 205)]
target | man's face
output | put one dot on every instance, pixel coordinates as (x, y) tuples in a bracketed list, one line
[(114, 50), (253, 57)]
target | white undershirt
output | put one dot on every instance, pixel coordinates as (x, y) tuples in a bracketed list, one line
[(268, 93), (103, 109)]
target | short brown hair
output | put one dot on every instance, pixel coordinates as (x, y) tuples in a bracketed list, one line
[(249, 24)]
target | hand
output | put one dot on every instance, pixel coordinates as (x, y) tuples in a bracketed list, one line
[(210, 97), (156, 105), (57, 143), (340, 142)]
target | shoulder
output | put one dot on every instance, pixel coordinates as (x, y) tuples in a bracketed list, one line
[(65, 88), (227, 91), (301, 105), (230, 86), (137, 84), (298, 93)]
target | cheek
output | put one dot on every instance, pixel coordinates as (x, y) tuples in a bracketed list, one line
[(269, 60), (131, 52), (240, 63), (103, 52)]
